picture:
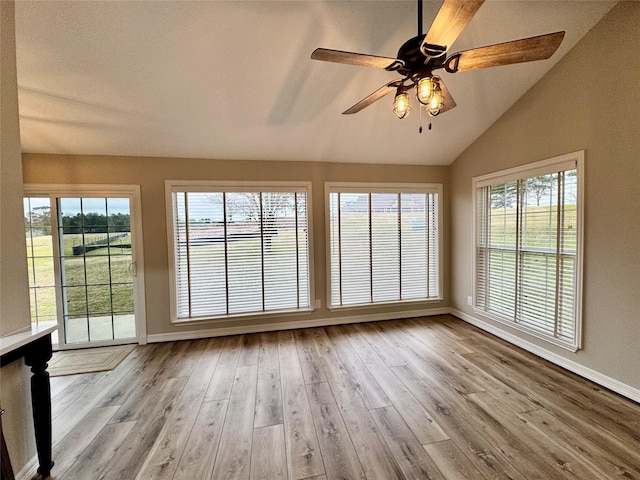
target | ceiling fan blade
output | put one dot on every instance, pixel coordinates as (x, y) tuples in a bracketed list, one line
[(447, 100), (451, 19), (359, 59), (517, 51), (375, 96)]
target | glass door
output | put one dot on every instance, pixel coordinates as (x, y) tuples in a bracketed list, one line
[(84, 253), (96, 270)]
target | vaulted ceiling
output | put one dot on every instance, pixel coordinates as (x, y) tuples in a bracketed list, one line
[(234, 79)]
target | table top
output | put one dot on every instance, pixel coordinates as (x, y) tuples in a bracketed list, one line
[(9, 343)]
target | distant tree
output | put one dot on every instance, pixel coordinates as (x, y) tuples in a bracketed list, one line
[(540, 186), (97, 222), (270, 206), (119, 222), (39, 218), (504, 196), (265, 208)]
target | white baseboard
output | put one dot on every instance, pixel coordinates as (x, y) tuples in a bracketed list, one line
[(269, 327), (585, 372), (30, 470)]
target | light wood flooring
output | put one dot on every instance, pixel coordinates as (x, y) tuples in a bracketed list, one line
[(430, 398)]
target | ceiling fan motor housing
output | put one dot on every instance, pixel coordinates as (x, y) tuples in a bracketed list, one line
[(411, 53)]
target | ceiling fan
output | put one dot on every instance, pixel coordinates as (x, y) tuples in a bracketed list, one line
[(419, 57)]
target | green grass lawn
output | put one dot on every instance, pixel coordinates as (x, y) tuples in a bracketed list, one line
[(74, 239), (538, 230), (87, 278)]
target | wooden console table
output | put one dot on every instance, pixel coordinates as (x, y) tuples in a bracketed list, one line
[(35, 347)]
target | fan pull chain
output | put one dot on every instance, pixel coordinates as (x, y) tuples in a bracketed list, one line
[(420, 129)]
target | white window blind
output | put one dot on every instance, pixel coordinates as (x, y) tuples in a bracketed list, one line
[(239, 251), (384, 244), (527, 250)]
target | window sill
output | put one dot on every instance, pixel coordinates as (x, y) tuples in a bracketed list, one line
[(240, 316), (336, 308), (572, 347)]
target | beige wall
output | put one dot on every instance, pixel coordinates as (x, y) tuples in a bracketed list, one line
[(589, 101), (150, 174), (14, 294)]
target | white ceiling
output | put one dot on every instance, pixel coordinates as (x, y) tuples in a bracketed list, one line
[(233, 79)]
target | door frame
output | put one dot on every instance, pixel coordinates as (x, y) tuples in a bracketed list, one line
[(53, 191)]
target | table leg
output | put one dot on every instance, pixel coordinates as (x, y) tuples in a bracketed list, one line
[(37, 357)]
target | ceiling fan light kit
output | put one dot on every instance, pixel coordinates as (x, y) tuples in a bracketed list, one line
[(424, 90), (401, 104), (420, 56), (428, 93)]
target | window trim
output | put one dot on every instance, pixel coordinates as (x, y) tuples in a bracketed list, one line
[(380, 187), (561, 162), (231, 186)]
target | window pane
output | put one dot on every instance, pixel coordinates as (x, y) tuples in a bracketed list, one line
[(302, 229), (122, 297), (73, 270), (240, 252), (355, 251), (99, 299), (432, 248), (501, 282), (335, 249), (101, 327), (204, 262), (244, 252), (40, 265), (98, 270), (124, 326), (181, 249), (414, 255), (279, 250), (71, 209), (76, 300), (118, 215), (76, 329), (94, 219), (502, 226), (537, 294), (383, 247)]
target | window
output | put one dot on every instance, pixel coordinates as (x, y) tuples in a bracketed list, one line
[(40, 260), (238, 249), (528, 248), (384, 243)]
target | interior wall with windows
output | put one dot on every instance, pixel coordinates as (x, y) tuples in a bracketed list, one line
[(151, 173), (589, 101)]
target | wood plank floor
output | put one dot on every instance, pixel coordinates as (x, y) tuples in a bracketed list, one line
[(429, 398)]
